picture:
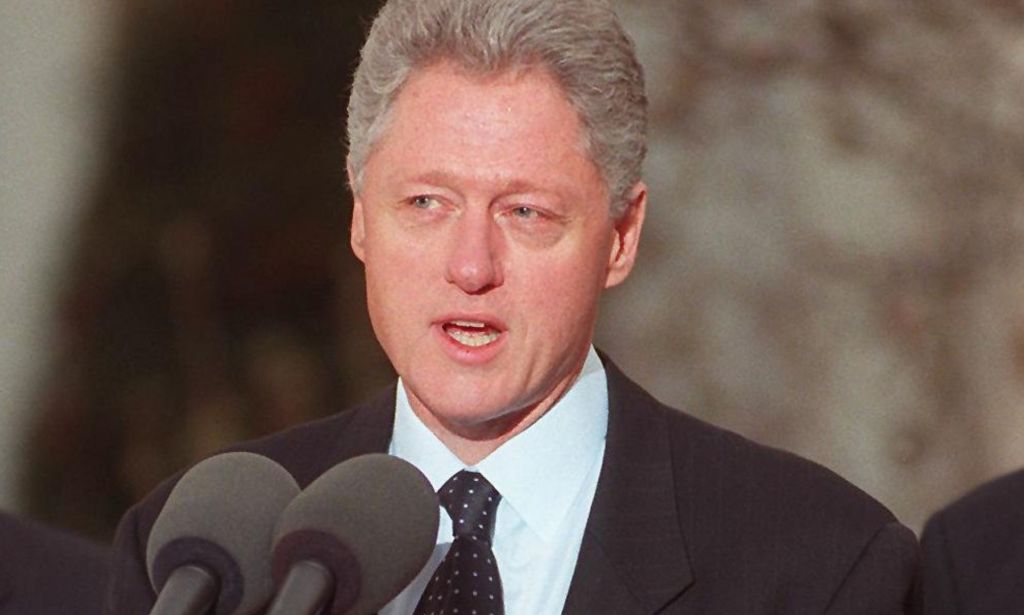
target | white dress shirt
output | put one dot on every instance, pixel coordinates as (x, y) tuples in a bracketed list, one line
[(547, 476)]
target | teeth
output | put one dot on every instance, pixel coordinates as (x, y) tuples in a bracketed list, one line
[(469, 323), (474, 340)]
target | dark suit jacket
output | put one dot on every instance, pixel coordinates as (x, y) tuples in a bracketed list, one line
[(687, 519), (44, 571), (973, 553)]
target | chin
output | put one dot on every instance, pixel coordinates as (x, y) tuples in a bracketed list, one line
[(465, 412), (468, 412)]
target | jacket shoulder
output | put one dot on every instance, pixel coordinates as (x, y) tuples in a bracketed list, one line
[(716, 465), (309, 449), (983, 527), (779, 481), (789, 531), (306, 451), (992, 504), (766, 529), (974, 550)]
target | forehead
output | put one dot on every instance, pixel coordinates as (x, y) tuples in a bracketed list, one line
[(512, 123)]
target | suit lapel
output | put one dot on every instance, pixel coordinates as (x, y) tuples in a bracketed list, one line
[(633, 559)]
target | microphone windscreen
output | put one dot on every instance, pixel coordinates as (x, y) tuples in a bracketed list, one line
[(372, 520), (221, 515)]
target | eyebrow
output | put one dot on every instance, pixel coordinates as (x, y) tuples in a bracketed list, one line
[(444, 178)]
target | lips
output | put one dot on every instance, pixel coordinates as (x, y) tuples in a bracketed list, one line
[(471, 333)]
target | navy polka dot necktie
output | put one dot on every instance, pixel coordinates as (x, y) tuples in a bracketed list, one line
[(466, 582)]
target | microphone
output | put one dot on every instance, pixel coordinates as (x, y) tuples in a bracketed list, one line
[(207, 551), (354, 538)]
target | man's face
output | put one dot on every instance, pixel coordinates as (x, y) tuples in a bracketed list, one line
[(485, 232)]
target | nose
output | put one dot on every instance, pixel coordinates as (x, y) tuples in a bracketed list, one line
[(474, 262)]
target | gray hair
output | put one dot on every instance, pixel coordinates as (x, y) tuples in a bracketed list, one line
[(579, 42)]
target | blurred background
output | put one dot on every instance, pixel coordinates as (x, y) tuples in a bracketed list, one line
[(833, 262)]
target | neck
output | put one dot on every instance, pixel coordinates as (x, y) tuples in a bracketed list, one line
[(473, 441), (473, 436)]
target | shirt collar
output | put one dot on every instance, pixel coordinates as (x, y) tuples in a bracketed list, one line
[(412, 441), (541, 471)]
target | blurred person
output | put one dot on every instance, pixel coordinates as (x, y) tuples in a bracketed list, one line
[(46, 571), (495, 149), (973, 553)]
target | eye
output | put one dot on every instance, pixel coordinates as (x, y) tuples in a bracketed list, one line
[(526, 213), (424, 202)]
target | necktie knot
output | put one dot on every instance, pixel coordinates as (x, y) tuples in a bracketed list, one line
[(471, 502)]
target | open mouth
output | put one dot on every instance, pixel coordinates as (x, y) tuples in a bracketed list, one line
[(471, 333)]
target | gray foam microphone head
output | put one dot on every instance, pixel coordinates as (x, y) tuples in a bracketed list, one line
[(371, 520), (221, 515)]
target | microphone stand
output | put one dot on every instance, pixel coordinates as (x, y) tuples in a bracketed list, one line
[(190, 590), (307, 590)]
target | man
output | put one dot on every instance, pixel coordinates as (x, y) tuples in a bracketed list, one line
[(973, 553), (495, 154), (45, 571)]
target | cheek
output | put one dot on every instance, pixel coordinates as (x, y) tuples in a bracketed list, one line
[(391, 286), (400, 280), (387, 281), (392, 259), (562, 294)]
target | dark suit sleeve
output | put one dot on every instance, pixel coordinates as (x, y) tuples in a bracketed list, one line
[(45, 570), (880, 581), (129, 592)]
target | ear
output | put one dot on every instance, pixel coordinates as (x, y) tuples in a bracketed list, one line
[(357, 232), (626, 236)]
